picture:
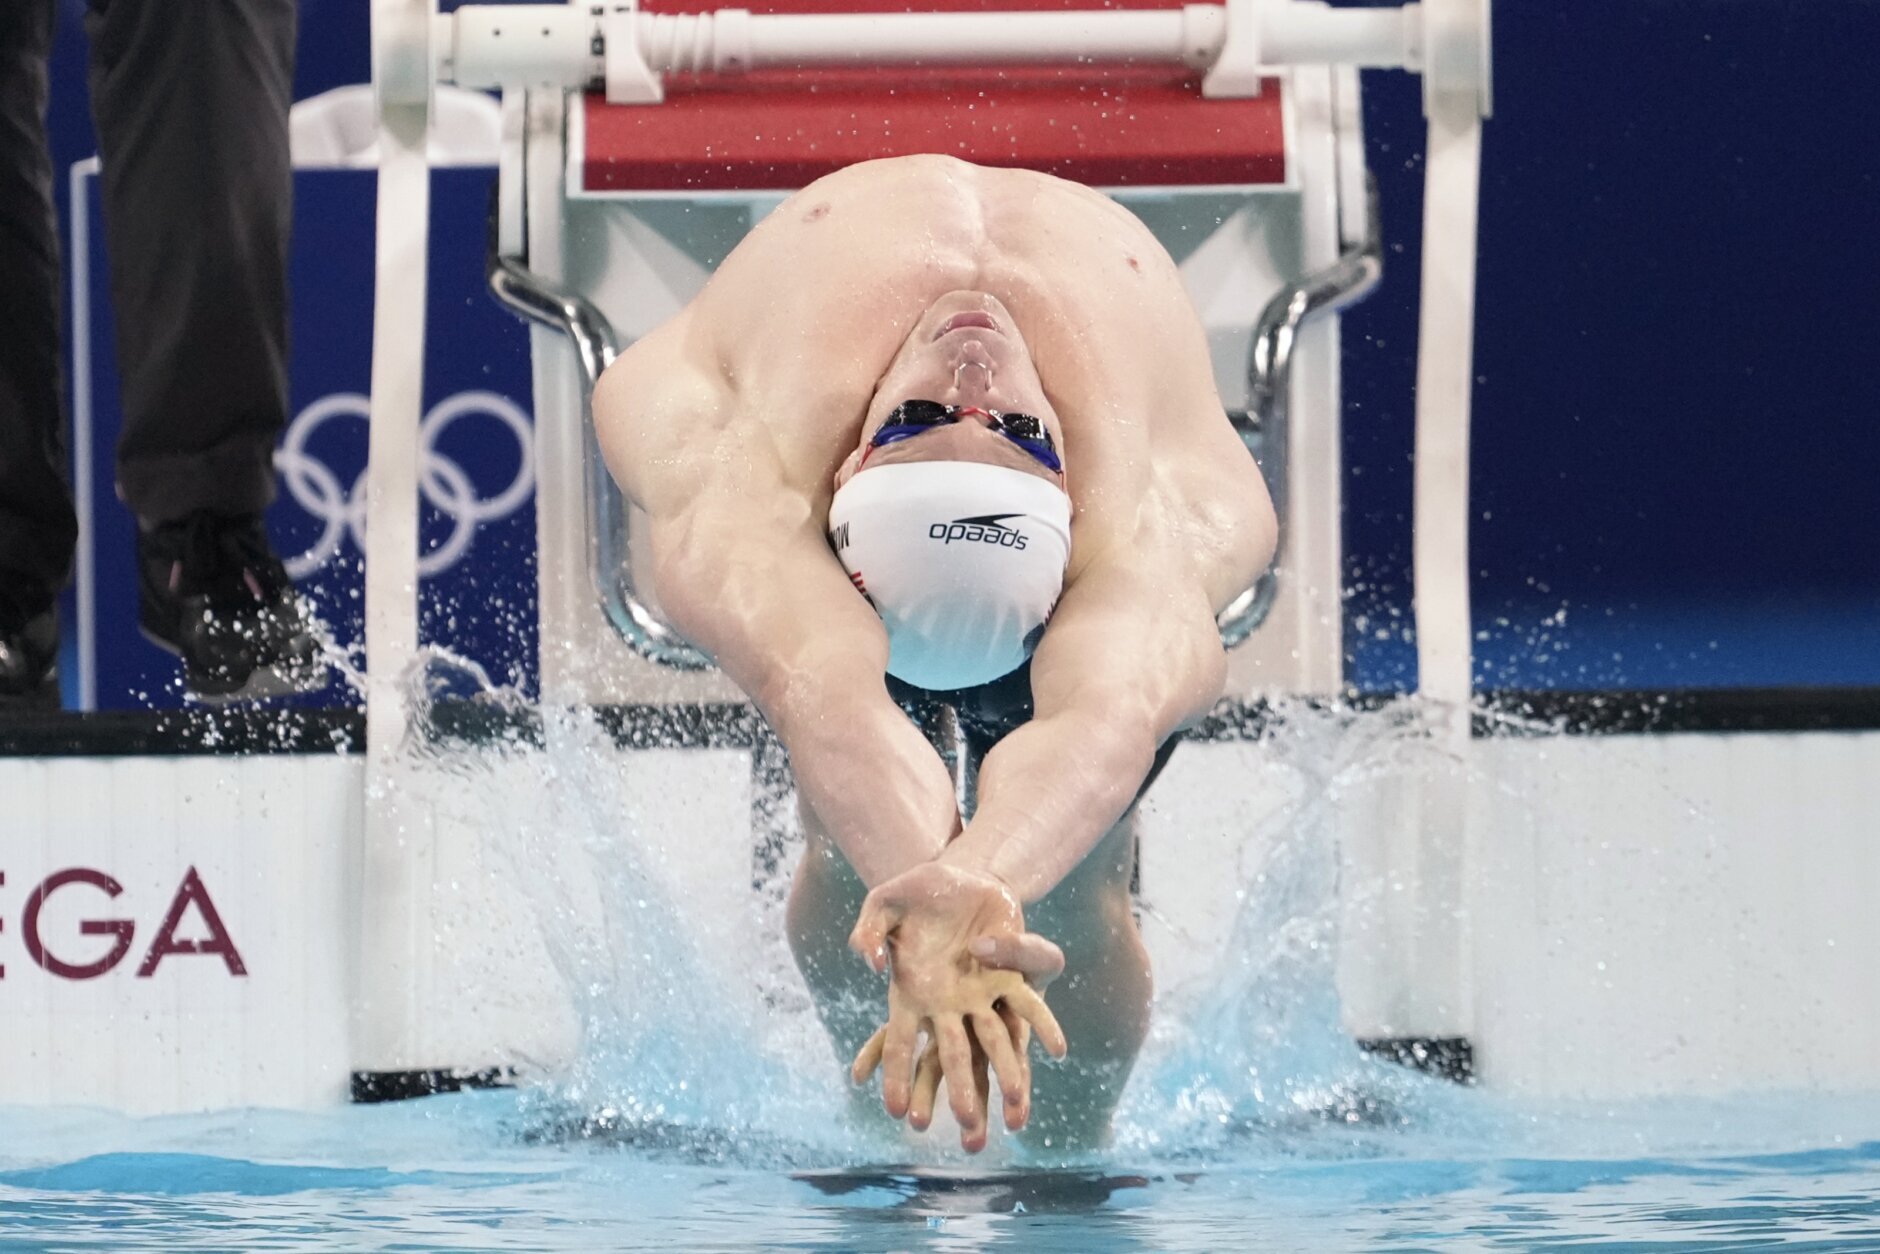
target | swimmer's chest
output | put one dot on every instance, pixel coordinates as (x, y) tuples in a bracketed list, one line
[(856, 263), (830, 287)]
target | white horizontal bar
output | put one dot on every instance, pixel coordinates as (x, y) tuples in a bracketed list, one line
[(523, 46), (972, 38), (1312, 34), (516, 47), (731, 39)]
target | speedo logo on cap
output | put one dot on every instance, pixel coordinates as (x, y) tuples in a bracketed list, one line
[(985, 529)]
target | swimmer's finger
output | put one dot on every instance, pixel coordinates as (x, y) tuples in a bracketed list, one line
[(956, 1059), (1029, 954), (869, 1057), (897, 1062), (1032, 1009), (995, 1038), (926, 1090), (869, 938), (982, 1086), (1021, 1048)]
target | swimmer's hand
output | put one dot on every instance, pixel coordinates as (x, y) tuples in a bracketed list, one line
[(978, 907), (934, 920), (1013, 1069), (928, 1074)]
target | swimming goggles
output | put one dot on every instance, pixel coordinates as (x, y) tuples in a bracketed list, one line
[(911, 418)]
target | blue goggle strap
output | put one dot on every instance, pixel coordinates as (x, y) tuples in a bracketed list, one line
[(896, 432)]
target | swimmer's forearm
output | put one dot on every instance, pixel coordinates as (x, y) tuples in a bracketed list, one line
[(872, 780), (782, 620), (1048, 793), (1131, 655)]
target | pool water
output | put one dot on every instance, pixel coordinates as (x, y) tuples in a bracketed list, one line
[(1447, 1171)]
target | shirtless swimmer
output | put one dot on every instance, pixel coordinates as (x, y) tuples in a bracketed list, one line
[(936, 433)]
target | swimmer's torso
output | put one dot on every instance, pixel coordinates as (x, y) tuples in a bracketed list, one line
[(801, 320)]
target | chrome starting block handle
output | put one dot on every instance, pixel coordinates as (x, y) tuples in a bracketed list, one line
[(530, 296), (1266, 427)]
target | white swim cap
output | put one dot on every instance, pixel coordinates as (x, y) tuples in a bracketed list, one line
[(963, 561)]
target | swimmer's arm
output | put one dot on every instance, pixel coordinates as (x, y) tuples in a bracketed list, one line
[(774, 609), (743, 571), (1131, 656)]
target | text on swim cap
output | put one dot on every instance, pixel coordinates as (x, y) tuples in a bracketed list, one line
[(987, 529)]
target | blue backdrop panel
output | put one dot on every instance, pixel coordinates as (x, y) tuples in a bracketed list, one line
[(477, 515), (1675, 458), (1674, 441)]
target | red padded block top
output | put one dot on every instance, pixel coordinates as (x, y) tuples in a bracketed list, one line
[(1107, 126)]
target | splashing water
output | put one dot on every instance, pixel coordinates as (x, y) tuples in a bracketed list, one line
[(725, 1123), (673, 1061), (1251, 1057), (1248, 1059), (694, 1037)]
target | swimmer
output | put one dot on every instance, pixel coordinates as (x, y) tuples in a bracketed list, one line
[(942, 434)]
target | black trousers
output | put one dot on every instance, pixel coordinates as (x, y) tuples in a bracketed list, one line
[(190, 98)]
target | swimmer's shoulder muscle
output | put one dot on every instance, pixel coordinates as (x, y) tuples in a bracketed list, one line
[(739, 562), (658, 412)]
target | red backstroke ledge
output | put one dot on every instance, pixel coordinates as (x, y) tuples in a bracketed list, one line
[(1108, 126)]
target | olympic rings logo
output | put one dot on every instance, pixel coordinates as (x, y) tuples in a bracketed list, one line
[(444, 484)]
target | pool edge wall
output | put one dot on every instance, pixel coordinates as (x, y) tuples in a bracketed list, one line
[(1680, 912)]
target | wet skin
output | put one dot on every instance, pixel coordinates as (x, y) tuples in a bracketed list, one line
[(1101, 1001), (733, 423)]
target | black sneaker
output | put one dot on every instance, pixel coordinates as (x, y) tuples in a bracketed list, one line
[(28, 656), (214, 594)]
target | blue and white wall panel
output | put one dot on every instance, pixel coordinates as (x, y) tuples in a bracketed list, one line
[(177, 933)]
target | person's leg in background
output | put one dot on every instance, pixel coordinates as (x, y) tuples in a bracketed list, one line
[(191, 103), (37, 526)]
